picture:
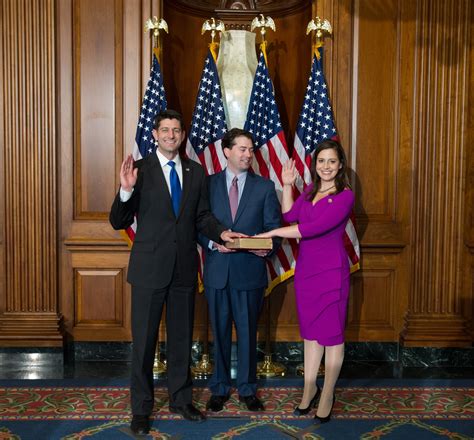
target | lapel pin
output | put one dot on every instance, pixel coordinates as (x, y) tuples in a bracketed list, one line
[(329, 200)]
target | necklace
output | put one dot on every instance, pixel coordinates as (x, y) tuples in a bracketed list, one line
[(326, 190)]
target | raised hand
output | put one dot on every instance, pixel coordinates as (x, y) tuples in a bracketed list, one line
[(128, 174), (289, 173)]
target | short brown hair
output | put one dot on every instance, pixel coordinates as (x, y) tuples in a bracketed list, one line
[(228, 141)]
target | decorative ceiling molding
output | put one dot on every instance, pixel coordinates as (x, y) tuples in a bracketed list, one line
[(238, 10)]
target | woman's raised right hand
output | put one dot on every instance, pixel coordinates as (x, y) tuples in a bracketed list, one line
[(289, 173)]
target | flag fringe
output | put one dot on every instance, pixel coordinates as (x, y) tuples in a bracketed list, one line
[(278, 280), (124, 234), (355, 267)]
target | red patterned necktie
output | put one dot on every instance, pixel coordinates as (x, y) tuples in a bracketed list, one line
[(234, 197)]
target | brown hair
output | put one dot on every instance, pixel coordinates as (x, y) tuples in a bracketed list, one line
[(228, 141), (341, 180)]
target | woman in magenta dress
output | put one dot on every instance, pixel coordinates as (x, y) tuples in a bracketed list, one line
[(322, 269)]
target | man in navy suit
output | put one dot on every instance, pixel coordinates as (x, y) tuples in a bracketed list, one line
[(169, 195), (235, 281)]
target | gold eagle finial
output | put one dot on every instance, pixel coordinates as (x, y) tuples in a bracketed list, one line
[(263, 23), (320, 26), (213, 26), (154, 24)]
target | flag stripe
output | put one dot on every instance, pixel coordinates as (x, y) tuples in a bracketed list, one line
[(271, 152), (208, 126)]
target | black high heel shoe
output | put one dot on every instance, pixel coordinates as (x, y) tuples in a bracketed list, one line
[(328, 417), (303, 411)]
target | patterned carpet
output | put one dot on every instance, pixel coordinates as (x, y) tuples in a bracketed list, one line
[(77, 412)]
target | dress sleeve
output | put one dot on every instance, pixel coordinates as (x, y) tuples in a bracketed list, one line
[(293, 214), (335, 214)]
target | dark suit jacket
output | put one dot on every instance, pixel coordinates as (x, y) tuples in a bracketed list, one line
[(161, 238), (259, 211)]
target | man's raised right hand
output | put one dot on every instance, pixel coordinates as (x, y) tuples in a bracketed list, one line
[(128, 174)]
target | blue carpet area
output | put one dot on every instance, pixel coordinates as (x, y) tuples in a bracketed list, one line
[(401, 429), (342, 426)]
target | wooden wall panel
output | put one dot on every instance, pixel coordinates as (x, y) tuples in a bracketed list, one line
[(442, 58), (372, 101), (376, 80), (105, 63), (29, 295), (98, 59), (99, 295), (98, 46), (400, 75), (372, 310)]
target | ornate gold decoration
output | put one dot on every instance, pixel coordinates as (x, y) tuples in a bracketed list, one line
[(320, 28), (268, 368), (155, 24), (159, 367), (263, 23), (213, 26), (203, 369)]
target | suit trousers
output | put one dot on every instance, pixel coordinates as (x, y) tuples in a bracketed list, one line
[(147, 306), (243, 307)]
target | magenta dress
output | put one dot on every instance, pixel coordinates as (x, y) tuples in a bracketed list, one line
[(322, 267)]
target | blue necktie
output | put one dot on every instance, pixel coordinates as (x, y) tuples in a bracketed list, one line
[(175, 188)]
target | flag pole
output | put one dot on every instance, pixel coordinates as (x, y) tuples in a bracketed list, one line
[(319, 29), (154, 25), (267, 368), (204, 368)]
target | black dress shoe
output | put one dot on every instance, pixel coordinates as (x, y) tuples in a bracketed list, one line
[(253, 402), (303, 411), (326, 419), (216, 403), (189, 412), (140, 425)]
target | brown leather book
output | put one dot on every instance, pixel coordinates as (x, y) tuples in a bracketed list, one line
[(250, 243)]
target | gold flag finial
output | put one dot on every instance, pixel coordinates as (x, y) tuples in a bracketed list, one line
[(213, 26), (320, 28), (263, 23), (155, 24)]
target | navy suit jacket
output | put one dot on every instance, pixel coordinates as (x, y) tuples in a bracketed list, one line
[(259, 211)]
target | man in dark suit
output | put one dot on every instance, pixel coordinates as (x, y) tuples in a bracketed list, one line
[(235, 281), (169, 196)]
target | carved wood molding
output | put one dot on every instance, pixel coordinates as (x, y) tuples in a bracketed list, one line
[(442, 57), (35, 329), (235, 9), (30, 296), (94, 245)]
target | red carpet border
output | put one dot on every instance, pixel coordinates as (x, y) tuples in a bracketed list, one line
[(112, 403)]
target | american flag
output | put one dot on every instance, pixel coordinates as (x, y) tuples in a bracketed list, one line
[(153, 102), (315, 124), (271, 152), (208, 124)]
